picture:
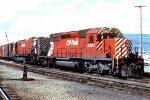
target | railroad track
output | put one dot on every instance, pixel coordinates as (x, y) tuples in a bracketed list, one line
[(142, 80), (134, 86), (3, 96), (7, 94)]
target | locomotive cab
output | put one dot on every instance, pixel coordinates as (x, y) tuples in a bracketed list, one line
[(110, 43)]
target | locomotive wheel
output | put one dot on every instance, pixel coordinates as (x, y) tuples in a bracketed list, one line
[(86, 67), (80, 67), (123, 72), (54, 65), (50, 65), (88, 70), (102, 73), (133, 68)]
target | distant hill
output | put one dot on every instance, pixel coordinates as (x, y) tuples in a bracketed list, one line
[(136, 40)]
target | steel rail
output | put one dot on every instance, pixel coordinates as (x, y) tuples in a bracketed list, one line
[(3, 96)]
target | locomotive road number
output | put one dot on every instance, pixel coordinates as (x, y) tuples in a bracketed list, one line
[(90, 45)]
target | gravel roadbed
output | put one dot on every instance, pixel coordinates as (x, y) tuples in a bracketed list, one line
[(47, 88)]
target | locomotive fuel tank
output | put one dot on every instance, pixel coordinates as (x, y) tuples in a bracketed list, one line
[(68, 64)]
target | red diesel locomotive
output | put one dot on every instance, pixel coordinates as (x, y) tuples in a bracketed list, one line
[(102, 50)]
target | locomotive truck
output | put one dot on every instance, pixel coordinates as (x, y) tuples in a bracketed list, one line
[(102, 50)]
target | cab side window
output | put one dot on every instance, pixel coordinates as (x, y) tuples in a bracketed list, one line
[(91, 39)]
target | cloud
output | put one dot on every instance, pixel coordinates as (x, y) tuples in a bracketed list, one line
[(25, 18)]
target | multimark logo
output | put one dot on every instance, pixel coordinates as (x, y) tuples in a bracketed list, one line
[(23, 45), (72, 42)]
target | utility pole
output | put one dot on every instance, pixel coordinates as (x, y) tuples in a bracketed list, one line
[(7, 38), (7, 44), (141, 51)]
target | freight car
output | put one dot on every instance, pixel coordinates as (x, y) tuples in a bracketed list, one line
[(102, 50), (5, 51)]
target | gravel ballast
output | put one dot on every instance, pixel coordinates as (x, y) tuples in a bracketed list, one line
[(47, 88)]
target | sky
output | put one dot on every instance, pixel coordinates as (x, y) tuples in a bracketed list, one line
[(22, 19)]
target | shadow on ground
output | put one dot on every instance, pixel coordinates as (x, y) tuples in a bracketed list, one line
[(21, 79)]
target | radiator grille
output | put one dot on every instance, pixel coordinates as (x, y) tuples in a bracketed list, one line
[(42, 46)]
